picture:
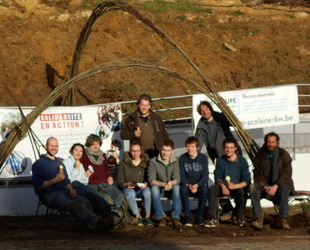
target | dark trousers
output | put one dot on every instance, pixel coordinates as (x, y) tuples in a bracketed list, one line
[(100, 206), (239, 196), (202, 194)]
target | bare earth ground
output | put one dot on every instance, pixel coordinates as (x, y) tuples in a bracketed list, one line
[(269, 45), (64, 231), (272, 46)]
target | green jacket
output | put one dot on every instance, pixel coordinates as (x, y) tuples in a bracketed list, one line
[(128, 172)]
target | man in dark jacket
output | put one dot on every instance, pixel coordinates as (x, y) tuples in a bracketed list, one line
[(212, 128), (146, 126), (272, 179)]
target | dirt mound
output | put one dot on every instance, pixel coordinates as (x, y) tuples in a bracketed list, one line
[(265, 47)]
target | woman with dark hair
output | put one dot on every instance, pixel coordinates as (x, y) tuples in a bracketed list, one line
[(132, 179)]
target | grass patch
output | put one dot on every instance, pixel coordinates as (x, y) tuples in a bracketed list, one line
[(308, 36), (182, 17), (291, 16), (236, 13), (162, 6)]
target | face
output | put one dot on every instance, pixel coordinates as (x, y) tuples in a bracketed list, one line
[(144, 107), (95, 146), (192, 149), (230, 149), (166, 152), (205, 112), (272, 143), (52, 146), (135, 151), (77, 152)]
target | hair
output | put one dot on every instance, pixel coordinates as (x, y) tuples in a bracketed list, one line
[(272, 134), (206, 103), (91, 139), (230, 139), (76, 145), (144, 97), (168, 143), (191, 140)]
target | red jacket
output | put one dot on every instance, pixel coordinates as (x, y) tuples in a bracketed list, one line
[(101, 172)]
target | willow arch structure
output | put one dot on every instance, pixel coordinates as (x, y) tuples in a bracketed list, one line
[(66, 89)]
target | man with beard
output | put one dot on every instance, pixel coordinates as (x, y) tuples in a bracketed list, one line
[(272, 179)]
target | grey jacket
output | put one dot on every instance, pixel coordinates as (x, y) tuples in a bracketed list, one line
[(158, 172)]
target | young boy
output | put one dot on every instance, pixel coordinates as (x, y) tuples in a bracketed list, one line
[(194, 173), (164, 177)]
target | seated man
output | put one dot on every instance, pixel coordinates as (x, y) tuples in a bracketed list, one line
[(272, 178), (194, 179), (164, 177), (51, 184), (231, 177)]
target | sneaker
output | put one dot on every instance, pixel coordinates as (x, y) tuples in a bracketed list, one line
[(188, 222), (162, 222), (140, 222), (285, 224), (241, 223), (176, 222), (200, 222), (211, 223), (148, 222), (259, 223)]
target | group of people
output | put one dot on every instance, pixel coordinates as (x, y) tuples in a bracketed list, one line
[(86, 188)]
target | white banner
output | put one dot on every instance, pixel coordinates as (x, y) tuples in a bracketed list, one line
[(259, 107), (69, 125)]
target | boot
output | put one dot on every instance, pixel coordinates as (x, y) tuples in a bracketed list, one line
[(258, 223), (285, 224)]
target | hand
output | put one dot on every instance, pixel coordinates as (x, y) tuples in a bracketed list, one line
[(138, 132), (231, 186), (60, 177), (193, 188), (271, 190), (168, 187), (72, 192), (225, 190), (130, 186), (88, 173), (110, 180)]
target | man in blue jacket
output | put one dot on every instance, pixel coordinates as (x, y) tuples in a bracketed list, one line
[(194, 173), (51, 184)]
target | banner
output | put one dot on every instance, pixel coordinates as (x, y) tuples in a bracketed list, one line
[(69, 125), (260, 107)]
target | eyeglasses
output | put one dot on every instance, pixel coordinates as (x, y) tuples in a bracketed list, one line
[(135, 151)]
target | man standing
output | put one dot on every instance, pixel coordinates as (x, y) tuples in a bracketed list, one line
[(51, 184), (232, 177), (146, 126), (164, 177), (213, 127), (194, 180), (272, 179)]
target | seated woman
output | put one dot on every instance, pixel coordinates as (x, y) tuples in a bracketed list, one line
[(101, 181), (132, 179), (79, 180)]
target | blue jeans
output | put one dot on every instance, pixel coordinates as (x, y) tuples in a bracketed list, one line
[(77, 205), (131, 194), (202, 193), (158, 192), (108, 192), (101, 207), (281, 197)]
